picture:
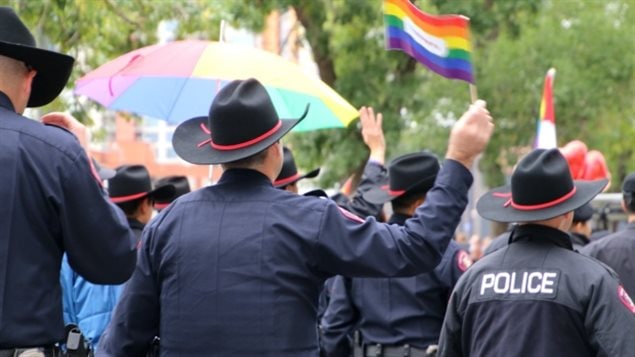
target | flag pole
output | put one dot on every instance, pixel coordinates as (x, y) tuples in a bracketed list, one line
[(473, 93)]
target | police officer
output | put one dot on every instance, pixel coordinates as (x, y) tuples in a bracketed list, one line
[(235, 269), (536, 296), (617, 250), (395, 316), (374, 173), (131, 190), (89, 306), (580, 230), (52, 201), (289, 175), (181, 187)]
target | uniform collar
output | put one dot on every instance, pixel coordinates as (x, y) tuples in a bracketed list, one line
[(539, 233), (246, 177), (135, 224), (579, 239), (5, 102), (398, 218)]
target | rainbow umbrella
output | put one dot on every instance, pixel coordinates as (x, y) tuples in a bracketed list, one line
[(178, 80)]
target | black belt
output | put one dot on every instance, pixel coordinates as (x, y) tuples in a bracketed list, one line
[(376, 350), (31, 352)]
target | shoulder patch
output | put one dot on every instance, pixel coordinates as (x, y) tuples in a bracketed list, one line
[(463, 260), (349, 215), (625, 299)]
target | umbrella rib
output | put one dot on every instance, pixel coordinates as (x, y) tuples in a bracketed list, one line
[(178, 94)]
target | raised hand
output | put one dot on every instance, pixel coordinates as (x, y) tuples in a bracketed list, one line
[(470, 134), (372, 133)]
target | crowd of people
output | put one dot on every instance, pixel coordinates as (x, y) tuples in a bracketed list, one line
[(249, 266)]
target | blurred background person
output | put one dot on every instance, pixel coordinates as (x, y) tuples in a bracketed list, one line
[(181, 187), (395, 316), (617, 250)]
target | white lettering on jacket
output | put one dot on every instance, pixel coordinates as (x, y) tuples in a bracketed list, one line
[(525, 282)]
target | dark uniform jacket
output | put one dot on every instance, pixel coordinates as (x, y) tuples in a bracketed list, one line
[(392, 311), (578, 240), (136, 227), (50, 203), (374, 174), (537, 297), (235, 269), (617, 251)]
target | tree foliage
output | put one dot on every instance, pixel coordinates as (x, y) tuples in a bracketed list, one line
[(590, 43)]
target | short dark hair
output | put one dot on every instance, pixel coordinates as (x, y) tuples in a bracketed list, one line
[(629, 202), (255, 159), (406, 200), (131, 207)]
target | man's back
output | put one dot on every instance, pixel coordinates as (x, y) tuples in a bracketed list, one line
[(239, 267), (44, 178), (393, 311), (537, 297)]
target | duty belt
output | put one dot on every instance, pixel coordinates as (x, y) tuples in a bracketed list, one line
[(377, 350), (31, 352)]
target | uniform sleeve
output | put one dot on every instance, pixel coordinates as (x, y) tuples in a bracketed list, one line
[(454, 263), (374, 174), (610, 319), (339, 320), (450, 338), (136, 318), (99, 244), (351, 247)]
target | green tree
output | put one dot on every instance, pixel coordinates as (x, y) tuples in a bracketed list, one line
[(590, 43)]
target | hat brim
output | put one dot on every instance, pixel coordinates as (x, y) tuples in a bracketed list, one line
[(492, 204), (188, 136), (53, 70), (378, 195), (310, 174)]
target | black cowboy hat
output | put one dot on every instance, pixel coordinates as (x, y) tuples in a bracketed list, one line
[(241, 122), (181, 187), (289, 173), (53, 69), (541, 188), (408, 173), (132, 182), (583, 213)]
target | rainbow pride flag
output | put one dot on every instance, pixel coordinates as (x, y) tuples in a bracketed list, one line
[(441, 43), (546, 136)]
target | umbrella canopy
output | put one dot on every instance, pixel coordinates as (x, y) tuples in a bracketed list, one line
[(178, 80)]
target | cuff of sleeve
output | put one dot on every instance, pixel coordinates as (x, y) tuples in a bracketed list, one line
[(454, 174)]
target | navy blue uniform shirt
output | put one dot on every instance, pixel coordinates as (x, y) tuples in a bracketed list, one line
[(235, 269), (392, 311), (50, 203), (538, 297), (617, 250), (374, 174)]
